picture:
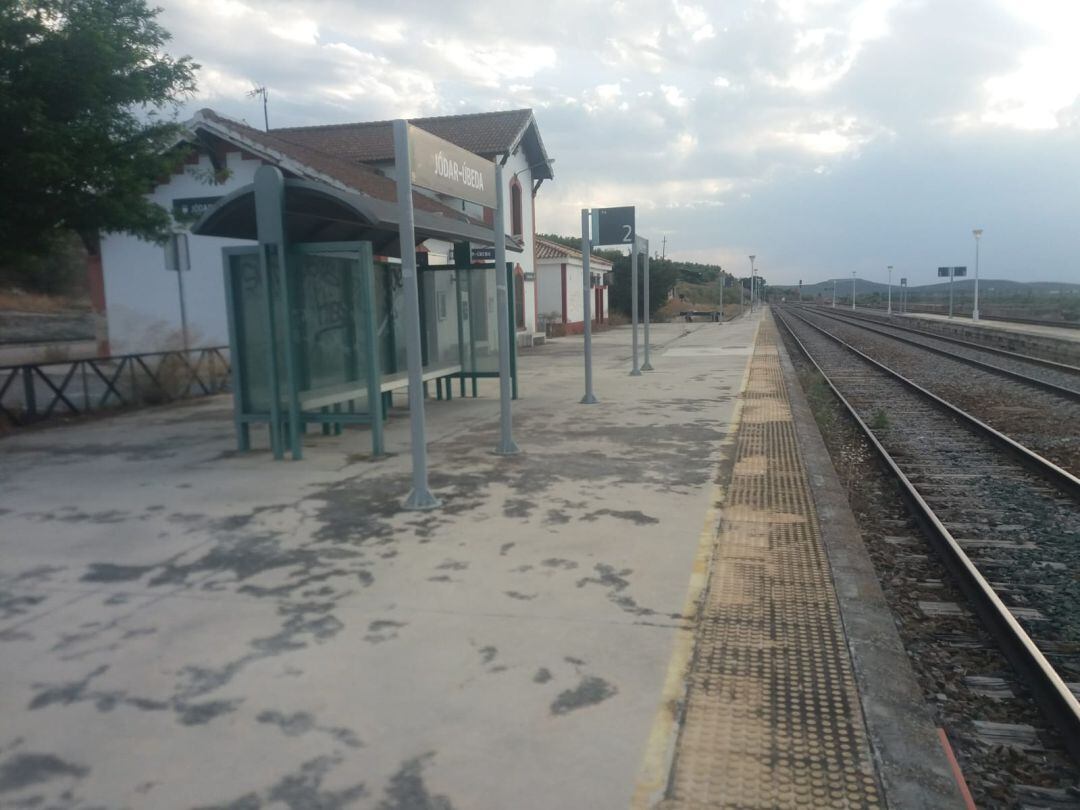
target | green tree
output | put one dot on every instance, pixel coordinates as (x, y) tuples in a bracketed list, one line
[(662, 276), (85, 95)]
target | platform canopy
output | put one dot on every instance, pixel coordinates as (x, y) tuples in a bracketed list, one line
[(317, 212)]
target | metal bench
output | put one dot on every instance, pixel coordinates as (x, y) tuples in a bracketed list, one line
[(337, 394)]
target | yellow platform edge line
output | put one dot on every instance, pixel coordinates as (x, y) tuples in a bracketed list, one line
[(660, 746)]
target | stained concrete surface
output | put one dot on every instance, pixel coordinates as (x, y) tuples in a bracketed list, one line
[(185, 626)]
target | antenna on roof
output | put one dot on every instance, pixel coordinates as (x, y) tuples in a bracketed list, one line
[(260, 90)]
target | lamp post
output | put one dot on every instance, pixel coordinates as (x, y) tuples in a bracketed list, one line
[(889, 311), (977, 232), (853, 290), (752, 282), (834, 293)]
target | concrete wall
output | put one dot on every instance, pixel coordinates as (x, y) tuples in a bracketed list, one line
[(142, 301)]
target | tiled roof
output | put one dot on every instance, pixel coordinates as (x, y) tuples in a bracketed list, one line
[(316, 164), (487, 134), (546, 249)]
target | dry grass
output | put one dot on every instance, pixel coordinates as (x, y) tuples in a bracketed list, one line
[(19, 301)]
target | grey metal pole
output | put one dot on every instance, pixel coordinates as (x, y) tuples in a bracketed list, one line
[(975, 310), (506, 445), (586, 293), (185, 335), (635, 371), (752, 283), (721, 296), (646, 366), (950, 291), (889, 312), (834, 293), (853, 290), (420, 497)]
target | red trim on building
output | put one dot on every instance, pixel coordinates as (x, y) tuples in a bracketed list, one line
[(517, 213), (519, 303), (561, 329), (563, 267)]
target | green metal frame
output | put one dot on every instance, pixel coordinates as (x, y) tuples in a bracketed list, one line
[(293, 420), (460, 265), (286, 419)]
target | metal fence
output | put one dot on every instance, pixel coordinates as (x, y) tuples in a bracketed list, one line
[(34, 392)]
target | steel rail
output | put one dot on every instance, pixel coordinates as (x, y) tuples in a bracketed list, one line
[(1051, 691), (1026, 358), (1044, 466), (1070, 393)]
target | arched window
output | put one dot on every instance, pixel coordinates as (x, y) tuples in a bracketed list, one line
[(516, 227)]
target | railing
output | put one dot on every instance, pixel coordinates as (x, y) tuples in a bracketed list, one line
[(34, 392)]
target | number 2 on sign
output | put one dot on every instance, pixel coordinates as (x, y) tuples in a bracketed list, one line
[(626, 236)]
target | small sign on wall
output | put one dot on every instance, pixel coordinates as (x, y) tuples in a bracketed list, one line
[(189, 209)]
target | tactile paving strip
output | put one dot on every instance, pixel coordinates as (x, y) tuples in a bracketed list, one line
[(772, 717)]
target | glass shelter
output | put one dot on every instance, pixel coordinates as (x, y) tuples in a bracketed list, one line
[(316, 328)]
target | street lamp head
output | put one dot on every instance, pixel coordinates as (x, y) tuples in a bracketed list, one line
[(752, 258), (977, 232)]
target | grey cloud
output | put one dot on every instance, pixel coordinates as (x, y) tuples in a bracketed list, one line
[(907, 190)]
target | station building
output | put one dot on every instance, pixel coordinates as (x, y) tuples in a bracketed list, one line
[(141, 296), (559, 270)]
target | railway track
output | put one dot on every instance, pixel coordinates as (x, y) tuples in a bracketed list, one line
[(1048, 374), (1038, 413), (1005, 520)]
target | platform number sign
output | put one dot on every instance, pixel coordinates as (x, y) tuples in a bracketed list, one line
[(903, 282), (615, 226)]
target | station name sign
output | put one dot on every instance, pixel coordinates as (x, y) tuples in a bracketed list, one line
[(951, 272), (446, 168), (484, 253), (191, 208)]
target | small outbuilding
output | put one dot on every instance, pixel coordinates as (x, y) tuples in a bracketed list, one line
[(559, 271)]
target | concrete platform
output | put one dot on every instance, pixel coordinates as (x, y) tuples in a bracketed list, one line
[(1056, 332), (637, 611), (796, 697), (1051, 342), (182, 626)]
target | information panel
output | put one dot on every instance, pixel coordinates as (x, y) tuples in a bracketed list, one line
[(615, 226)]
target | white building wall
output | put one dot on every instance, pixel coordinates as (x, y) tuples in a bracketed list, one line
[(575, 312), (550, 277), (141, 296), (549, 288), (519, 163)]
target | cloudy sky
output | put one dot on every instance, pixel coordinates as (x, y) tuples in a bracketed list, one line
[(825, 136)]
